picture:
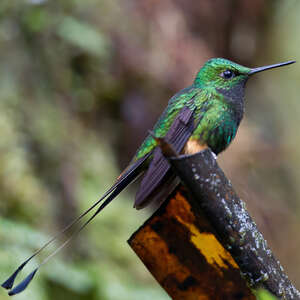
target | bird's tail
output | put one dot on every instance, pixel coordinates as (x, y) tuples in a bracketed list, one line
[(128, 176)]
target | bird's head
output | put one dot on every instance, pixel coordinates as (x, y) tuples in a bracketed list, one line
[(224, 74)]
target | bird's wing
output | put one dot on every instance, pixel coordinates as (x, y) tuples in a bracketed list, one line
[(178, 134)]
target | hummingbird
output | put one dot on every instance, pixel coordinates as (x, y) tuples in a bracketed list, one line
[(206, 114)]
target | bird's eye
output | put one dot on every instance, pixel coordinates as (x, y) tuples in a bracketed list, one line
[(228, 74)]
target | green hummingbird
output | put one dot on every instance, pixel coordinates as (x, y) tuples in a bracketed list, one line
[(205, 114)]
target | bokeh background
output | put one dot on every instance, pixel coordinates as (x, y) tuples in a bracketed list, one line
[(81, 82)]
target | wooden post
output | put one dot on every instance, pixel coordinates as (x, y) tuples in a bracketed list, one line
[(179, 247), (202, 239)]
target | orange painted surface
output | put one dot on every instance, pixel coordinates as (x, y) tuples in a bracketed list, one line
[(181, 250)]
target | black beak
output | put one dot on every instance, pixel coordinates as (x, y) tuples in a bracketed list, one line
[(260, 69)]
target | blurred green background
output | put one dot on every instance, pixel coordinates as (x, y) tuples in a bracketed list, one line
[(81, 82)]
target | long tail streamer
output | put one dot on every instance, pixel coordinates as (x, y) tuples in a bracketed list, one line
[(125, 179)]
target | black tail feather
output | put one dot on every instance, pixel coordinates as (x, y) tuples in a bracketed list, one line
[(10, 281), (123, 181), (23, 284)]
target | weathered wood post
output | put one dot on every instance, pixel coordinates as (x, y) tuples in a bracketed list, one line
[(202, 243)]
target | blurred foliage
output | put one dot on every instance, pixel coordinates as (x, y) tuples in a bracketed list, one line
[(80, 84)]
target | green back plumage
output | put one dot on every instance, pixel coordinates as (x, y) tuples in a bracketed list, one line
[(176, 103)]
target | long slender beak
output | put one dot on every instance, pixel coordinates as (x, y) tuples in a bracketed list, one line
[(260, 69)]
